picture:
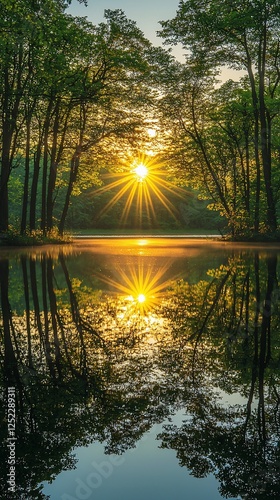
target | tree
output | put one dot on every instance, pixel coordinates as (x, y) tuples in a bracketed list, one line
[(23, 27), (114, 96), (245, 36), (14, 81), (67, 85)]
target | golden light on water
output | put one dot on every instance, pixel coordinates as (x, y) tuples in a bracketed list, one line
[(141, 182), (141, 286)]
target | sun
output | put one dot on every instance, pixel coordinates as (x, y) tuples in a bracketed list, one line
[(140, 182), (141, 171), (141, 298)]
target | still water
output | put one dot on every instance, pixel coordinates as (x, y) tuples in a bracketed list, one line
[(142, 369)]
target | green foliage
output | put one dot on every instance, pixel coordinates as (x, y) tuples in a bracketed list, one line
[(74, 94), (78, 99), (13, 237), (227, 136), (88, 210)]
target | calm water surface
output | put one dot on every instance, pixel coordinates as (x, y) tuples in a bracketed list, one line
[(143, 369)]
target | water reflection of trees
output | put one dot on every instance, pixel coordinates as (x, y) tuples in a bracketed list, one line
[(66, 351), (235, 348), (87, 367)]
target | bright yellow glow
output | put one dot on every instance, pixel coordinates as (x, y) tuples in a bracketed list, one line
[(150, 152), (142, 243), (143, 285), (141, 171), (141, 182), (141, 298), (152, 132)]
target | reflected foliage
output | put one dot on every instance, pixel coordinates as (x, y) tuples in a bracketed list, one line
[(231, 348), (89, 363)]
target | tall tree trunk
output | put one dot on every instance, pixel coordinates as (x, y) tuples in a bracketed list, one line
[(5, 174), (4, 204), (47, 125), (26, 179), (13, 85), (34, 186), (74, 167), (256, 137), (56, 156), (52, 171), (42, 142), (265, 135), (44, 178)]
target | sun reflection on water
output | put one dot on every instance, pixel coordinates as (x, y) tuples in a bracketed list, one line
[(140, 287)]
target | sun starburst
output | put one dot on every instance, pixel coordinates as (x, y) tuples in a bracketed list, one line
[(141, 182), (141, 285), (141, 172)]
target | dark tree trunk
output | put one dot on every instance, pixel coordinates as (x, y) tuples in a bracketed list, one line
[(75, 161), (34, 187), (26, 179), (265, 136), (56, 155), (44, 179), (5, 174)]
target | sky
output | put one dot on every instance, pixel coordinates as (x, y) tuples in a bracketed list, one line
[(146, 13)]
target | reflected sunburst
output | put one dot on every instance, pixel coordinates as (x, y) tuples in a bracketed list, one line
[(142, 287)]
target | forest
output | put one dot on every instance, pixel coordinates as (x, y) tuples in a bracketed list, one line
[(81, 104)]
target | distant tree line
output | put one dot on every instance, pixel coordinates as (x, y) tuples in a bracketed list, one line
[(88, 210), (76, 97)]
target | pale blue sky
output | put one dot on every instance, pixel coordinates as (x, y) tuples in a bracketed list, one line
[(146, 13)]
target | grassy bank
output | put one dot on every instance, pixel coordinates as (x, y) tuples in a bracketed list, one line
[(37, 238), (255, 237), (147, 232), (33, 238)]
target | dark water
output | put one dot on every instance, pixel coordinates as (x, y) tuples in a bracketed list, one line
[(141, 369)]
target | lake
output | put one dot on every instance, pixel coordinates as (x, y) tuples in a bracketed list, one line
[(142, 368)]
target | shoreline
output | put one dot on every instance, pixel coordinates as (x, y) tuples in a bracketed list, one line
[(168, 240)]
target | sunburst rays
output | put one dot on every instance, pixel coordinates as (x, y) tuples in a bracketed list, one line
[(141, 171), (141, 181), (142, 285)]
